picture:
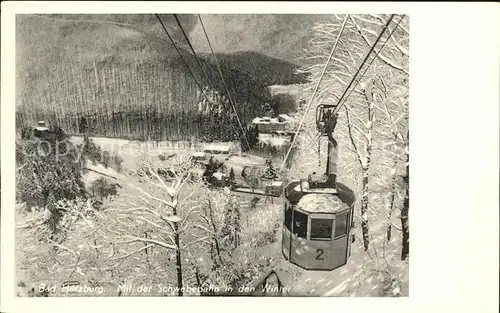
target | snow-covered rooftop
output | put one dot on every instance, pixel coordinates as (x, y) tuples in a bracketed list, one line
[(269, 139), (218, 175), (217, 147), (265, 120), (245, 160), (285, 117), (321, 203)]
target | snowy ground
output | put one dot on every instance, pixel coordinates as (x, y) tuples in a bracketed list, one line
[(373, 273), (132, 151), (363, 275), (376, 272), (276, 141), (366, 274)]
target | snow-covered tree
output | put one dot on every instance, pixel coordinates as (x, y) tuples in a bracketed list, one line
[(161, 212), (76, 254)]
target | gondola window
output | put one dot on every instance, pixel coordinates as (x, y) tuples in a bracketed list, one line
[(300, 224), (288, 217), (321, 229), (340, 225)]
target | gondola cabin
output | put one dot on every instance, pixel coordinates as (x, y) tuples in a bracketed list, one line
[(317, 232)]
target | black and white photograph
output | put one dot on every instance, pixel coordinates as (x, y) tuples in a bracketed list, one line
[(238, 154), (209, 154)]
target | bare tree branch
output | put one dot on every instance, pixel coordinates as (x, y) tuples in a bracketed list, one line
[(63, 247), (394, 225), (189, 214), (380, 55), (351, 137), (194, 241), (360, 131), (211, 232), (367, 20), (170, 204), (132, 253), (156, 242), (401, 48), (168, 189), (149, 222), (172, 240), (358, 118)]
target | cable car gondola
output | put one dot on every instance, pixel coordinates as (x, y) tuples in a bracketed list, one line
[(317, 229)]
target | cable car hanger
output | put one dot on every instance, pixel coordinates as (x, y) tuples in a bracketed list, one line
[(318, 225)]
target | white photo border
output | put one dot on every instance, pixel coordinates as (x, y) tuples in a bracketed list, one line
[(454, 110)]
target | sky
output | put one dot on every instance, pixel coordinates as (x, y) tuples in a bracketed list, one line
[(281, 36)]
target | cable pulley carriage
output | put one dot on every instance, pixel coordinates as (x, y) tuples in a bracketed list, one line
[(323, 113)]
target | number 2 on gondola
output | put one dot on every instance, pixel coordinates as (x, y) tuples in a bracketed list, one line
[(319, 255)]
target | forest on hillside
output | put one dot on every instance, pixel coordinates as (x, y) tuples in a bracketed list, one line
[(123, 78)]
